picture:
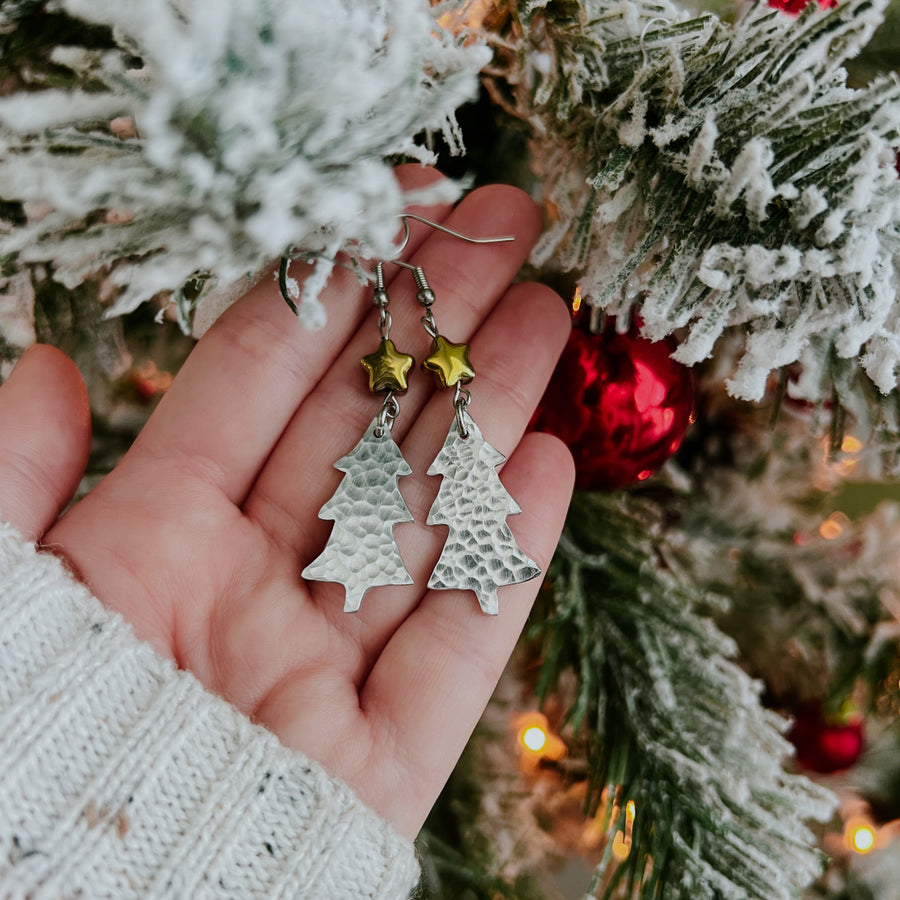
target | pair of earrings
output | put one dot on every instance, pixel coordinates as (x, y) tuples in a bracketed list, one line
[(480, 553)]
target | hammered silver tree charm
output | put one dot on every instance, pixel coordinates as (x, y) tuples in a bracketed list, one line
[(361, 552), (480, 553)]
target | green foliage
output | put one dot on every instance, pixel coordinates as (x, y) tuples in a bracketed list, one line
[(712, 176), (823, 598), (457, 857), (183, 147), (28, 36), (671, 722), (453, 874), (881, 54)]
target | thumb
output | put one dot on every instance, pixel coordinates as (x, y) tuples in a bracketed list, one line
[(45, 432)]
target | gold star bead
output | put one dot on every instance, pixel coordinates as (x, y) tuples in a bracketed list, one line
[(387, 368), (449, 362)]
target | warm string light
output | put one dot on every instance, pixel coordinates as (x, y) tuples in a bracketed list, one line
[(834, 526), (851, 447), (536, 740), (830, 529), (596, 314), (537, 745), (597, 828), (863, 839), (860, 835), (621, 847)]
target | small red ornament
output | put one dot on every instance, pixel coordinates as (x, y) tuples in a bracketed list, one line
[(795, 7), (620, 403), (824, 744)]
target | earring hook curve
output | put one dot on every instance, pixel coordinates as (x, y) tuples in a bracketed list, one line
[(463, 237), (404, 217)]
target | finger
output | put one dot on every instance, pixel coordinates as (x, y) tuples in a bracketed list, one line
[(45, 434), (246, 377), (436, 675), (471, 279)]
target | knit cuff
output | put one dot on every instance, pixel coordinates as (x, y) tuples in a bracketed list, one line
[(122, 777)]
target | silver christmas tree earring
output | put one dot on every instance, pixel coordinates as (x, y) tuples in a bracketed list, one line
[(480, 553), (361, 552)]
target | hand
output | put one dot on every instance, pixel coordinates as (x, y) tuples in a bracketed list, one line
[(199, 535)]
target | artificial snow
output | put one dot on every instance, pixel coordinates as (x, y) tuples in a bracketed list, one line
[(258, 128)]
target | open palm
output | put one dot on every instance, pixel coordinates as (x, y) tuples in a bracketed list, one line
[(199, 536)]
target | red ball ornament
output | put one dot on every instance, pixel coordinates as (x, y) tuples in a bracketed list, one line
[(826, 745), (620, 403), (795, 7)]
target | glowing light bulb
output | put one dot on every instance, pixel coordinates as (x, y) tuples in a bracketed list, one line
[(621, 848), (833, 527), (537, 742), (862, 839), (860, 834), (576, 300), (534, 739)]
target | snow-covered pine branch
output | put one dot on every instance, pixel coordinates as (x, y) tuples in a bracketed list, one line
[(672, 723), (242, 128), (710, 176)]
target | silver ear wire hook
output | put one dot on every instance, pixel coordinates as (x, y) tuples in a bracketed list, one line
[(424, 293), (405, 240), (418, 274), (463, 237)]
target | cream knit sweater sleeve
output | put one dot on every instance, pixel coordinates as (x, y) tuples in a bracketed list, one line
[(121, 777)]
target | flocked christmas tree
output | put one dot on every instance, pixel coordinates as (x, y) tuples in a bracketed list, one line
[(714, 177), (365, 507)]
